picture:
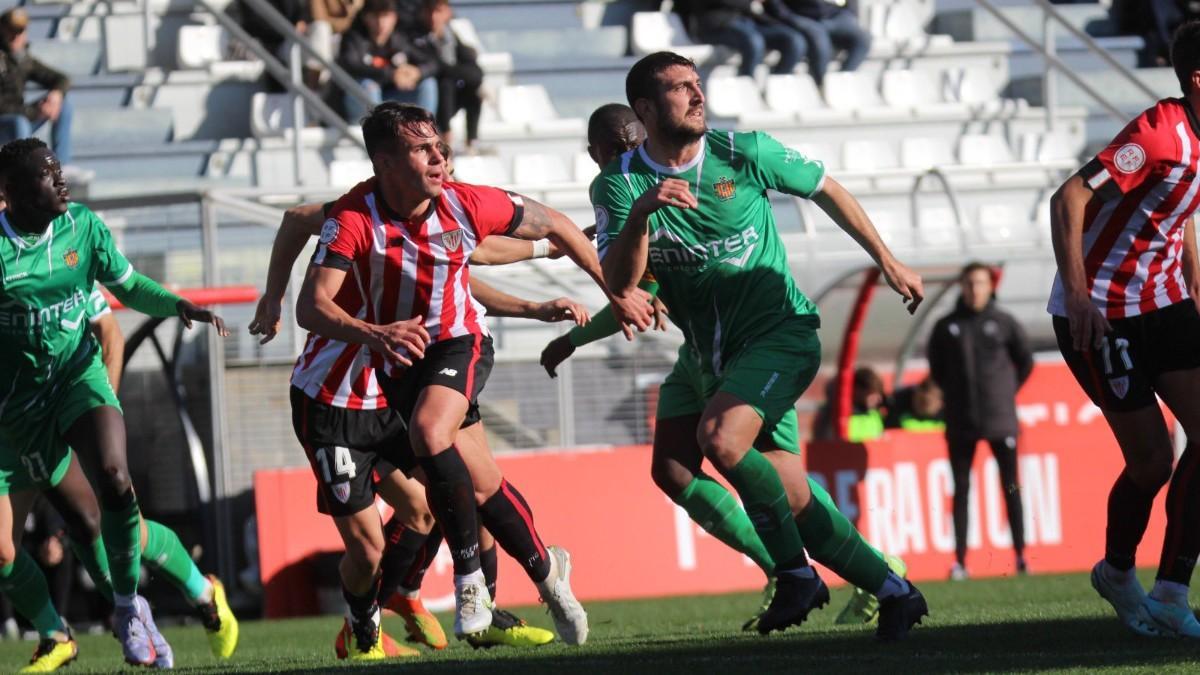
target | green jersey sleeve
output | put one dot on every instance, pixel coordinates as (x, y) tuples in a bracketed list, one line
[(778, 167), (611, 199), (113, 269), (97, 305)]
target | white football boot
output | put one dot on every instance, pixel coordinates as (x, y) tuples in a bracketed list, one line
[(472, 605), (1171, 619), (1127, 598), (570, 621)]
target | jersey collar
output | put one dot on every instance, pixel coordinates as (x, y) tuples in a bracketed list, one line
[(674, 170), (16, 238)]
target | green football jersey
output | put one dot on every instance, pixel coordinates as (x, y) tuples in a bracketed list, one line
[(722, 267), (46, 284)]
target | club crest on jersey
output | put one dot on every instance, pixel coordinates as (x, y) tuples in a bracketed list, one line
[(724, 189), (329, 231), (1129, 157), (452, 239), (71, 258), (341, 491), (1119, 385)]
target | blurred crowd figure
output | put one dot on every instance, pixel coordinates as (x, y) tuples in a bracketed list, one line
[(812, 31), (20, 118), (1155, 22), (397, 50), (980, 357), (915, 408)]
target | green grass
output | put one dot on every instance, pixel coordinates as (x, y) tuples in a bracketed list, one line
[(1038, 623)]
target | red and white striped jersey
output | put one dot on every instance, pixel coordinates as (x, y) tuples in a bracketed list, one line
[(396, 270), (1133, 233)]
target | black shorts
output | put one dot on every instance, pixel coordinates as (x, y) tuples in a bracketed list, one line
[(1120, 375), (462, 363), (349, 451)]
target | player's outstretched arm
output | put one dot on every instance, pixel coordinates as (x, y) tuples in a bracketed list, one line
[(1067, 209), (625, 262), (317, 312), (504, 250), (499, 303), (603, 324), (542, 222), (299, 224), (143, 294), (849, 215)]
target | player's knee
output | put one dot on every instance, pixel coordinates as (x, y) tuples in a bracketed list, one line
[(430, 439), (365, 554), (721, 450), (116, 477), (1150, 475), (669, 476)]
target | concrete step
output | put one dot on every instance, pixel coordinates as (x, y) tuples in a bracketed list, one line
[(978, 23)]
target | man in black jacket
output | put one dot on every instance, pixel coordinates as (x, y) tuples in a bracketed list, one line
[(980, 357), (17, 66), (385, 62)]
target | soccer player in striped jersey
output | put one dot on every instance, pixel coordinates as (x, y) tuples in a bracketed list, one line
[(613, 130), (1125, 315), (411, 544), (58, 394), (690, 205)]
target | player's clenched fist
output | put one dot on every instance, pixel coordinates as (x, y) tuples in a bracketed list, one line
[(393, 340), (670, 192)]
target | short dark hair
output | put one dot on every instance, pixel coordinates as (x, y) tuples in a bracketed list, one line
[(1185, 54), (16, 153), (973, 267), (378, 6), (639, 83), (381, 127), (614, 123)]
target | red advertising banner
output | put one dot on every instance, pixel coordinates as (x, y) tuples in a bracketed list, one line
[(628, 540)]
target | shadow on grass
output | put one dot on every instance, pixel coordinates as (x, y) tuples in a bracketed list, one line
[(1082, 643)]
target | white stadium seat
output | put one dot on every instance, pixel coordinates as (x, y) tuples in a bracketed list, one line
[(868, 155), (344, 173), (798, 95), (270, 114), (585, 168), (922, 91), (481, 169), (983, 150), (829, 154), (530, 105), (904, 24), (937, 226), (733, 96), (663, 31), (998, 223), (856, 92), (198, 46), (540, 169), (925, 153)]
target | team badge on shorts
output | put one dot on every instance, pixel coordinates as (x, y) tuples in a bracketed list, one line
[(452, 239), (71, 258), (341, 491), (724, 189), (1119, 386)]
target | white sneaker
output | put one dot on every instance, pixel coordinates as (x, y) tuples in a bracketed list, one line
[(570, 621), (958, 573), (472, 605), (1170, 619), (1127, 598)]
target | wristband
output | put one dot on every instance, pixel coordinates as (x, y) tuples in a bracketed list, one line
[(541, 248)]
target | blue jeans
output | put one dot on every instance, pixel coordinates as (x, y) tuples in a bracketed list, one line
[(827, 36), (752, 40), (425, 95), (14, 126)]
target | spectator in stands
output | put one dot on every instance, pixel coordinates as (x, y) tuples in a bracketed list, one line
[(459, 77), (980, 357), (828, 28), (1155, 22), (17, 66), (745, 27), (866, 409), (385, 62), (297, 14), (917, 408), (339, 14)]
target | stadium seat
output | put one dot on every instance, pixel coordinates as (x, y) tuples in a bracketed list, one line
[(482, 169), (827, 153), (584, 168), (925, 153), (663, 31), (998, 223), (530, 105), (270, 114), (739, 98), (922, 91), (904, 25), (798, 95), (983, 150), (1056, 146), (344, 173), (868, 155), (539, 169), (856, 93), (490, 62), (198, 46), (936, 226)]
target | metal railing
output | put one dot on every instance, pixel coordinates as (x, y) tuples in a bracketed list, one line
[(1052, 63)]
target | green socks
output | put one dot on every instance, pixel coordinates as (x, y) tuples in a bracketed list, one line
[(122, 544), (833, 541), (95, 561), (165, 554), (767, 506), (25, 585), (717, 511)]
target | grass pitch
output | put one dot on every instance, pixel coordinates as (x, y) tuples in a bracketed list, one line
[(1053, 622)]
